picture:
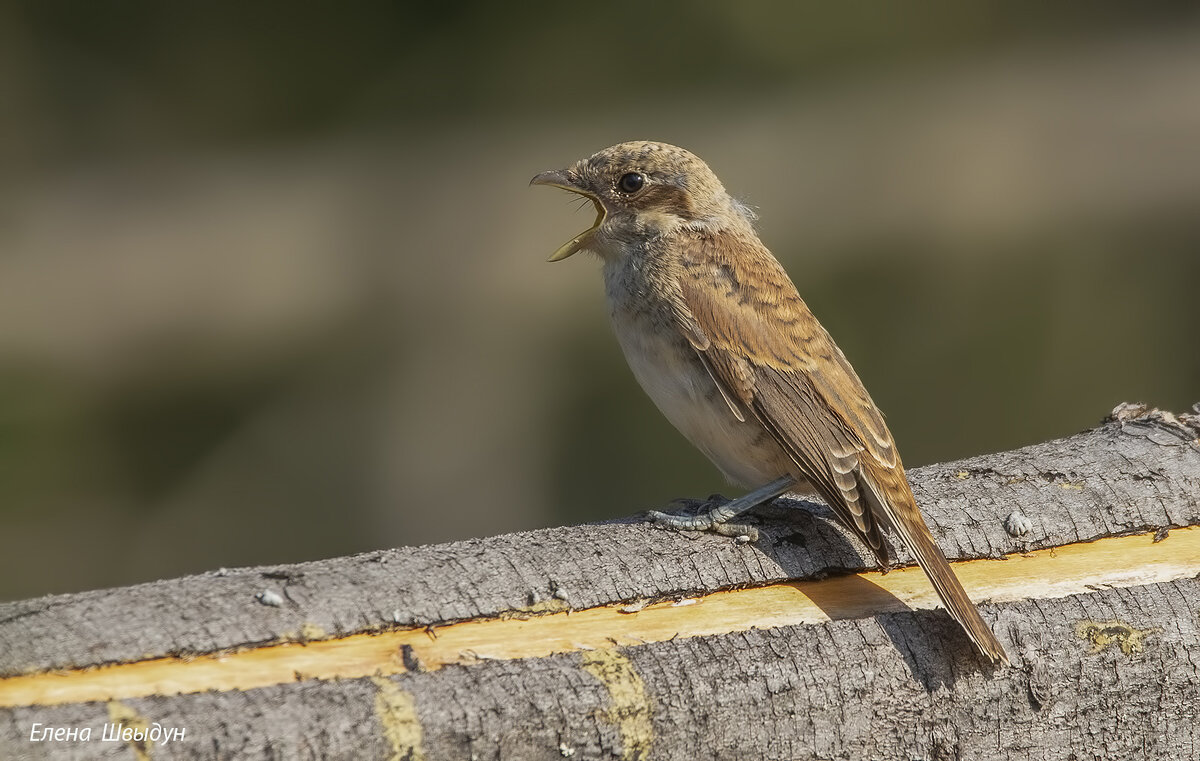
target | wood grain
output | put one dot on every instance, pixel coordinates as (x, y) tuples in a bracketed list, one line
[(1102, 622)]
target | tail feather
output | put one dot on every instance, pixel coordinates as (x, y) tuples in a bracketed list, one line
[(898, 509)]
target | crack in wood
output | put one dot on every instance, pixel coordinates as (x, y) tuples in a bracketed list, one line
[(1044, 574)]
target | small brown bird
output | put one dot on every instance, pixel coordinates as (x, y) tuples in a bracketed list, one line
[(718, 337)]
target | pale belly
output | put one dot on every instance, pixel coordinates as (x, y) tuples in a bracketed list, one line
[(672, 375)]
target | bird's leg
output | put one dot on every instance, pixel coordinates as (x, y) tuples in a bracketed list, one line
[(716, 519)]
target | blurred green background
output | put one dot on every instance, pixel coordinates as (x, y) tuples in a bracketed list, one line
[(273, 288)]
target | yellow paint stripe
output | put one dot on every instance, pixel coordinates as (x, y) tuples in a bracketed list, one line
[(123, 715), (631, 711), (397, 713), (1055, 572)]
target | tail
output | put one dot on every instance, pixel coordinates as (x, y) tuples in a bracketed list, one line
[(891, 499)]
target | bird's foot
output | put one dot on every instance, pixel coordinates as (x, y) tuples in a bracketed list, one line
[(708, 519), (706, 515), (716, 517)]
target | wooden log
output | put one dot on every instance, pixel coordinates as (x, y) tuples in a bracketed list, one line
[(623, 640)]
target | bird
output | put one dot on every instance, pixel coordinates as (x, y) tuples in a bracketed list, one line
[(718, 337)]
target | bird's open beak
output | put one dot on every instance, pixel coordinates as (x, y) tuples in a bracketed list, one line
[(559, 178)]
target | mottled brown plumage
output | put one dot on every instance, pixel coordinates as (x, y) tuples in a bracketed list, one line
[(717, 335)]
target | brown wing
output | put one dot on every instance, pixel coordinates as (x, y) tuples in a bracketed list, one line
[(766, 350)]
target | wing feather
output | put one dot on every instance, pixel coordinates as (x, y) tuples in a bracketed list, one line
[(763, 348), (770, 356)]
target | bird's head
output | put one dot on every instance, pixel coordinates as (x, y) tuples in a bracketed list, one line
[(642, 190)]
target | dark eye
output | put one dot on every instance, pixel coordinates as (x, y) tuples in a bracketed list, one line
[(631, 183)]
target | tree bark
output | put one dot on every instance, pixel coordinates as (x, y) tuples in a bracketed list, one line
[(624, 640)]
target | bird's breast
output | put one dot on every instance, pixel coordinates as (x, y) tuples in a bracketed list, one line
[(672, 374)]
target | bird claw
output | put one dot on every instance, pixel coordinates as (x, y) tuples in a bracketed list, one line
[(704, 522)]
